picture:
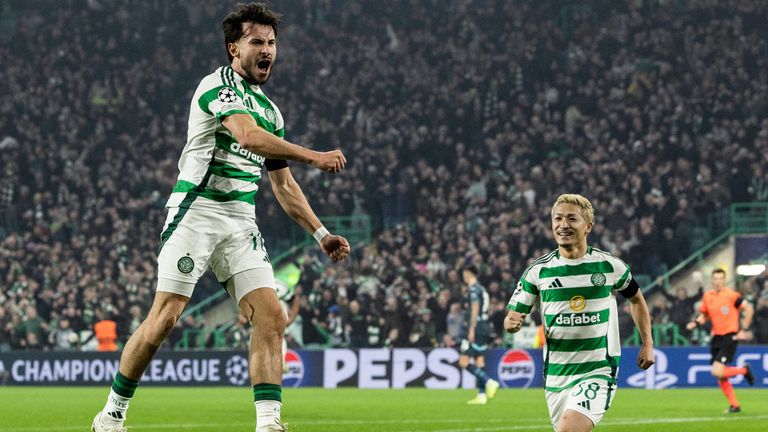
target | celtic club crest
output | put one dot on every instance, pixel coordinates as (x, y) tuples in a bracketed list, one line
[(598, 279), (270, 114), (185, 264)]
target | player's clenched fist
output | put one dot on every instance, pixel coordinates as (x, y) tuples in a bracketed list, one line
[(645, 357), (336, 247), (514, 321), (331, 161)]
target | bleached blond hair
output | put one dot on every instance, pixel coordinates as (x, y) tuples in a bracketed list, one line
[(587, 211)]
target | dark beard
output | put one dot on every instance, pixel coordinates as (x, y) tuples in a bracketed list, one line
[(252, 80)]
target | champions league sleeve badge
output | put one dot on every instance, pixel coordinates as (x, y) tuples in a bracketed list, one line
[(227, 95)]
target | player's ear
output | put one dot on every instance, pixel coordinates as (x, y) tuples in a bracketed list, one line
[(233, 50)]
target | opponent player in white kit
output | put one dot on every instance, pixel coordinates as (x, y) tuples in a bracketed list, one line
[(575, 287), (235, 132)]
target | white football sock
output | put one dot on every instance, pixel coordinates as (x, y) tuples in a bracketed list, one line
[(116, 409), (267, 414)]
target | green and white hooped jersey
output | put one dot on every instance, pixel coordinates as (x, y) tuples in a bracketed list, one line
[(578, 307), (216, 173)]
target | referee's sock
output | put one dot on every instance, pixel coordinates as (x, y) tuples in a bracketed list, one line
[(727, 388), (732, 371)]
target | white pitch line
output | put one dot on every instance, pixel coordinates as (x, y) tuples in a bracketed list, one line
[(219, 425), (541, 425), (612, 423), (139, 426), (87, 427), (413, 421), (313, 422)]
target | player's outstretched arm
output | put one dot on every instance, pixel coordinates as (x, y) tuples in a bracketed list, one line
[(256, 140), (642, 319), (294, 203)]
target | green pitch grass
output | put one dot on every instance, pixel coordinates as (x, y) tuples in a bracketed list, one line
[(319, 410)]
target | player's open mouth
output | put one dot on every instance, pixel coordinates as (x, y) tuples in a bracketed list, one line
[(263, 65)]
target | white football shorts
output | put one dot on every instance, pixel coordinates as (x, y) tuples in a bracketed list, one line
[(195, 240), (591, 397)]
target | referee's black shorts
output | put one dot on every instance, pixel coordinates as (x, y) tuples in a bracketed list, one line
[(723, 348)]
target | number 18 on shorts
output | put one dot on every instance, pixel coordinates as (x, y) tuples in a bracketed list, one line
[(591, 398)]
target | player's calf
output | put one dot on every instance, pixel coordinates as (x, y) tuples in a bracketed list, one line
[(265, 356)]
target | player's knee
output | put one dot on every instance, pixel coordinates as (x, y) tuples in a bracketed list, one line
[(717, 371), (274, 324), (158, 327), (270, 322), (246, 310)]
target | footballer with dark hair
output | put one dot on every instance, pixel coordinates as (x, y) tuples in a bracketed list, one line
[(235, 134)]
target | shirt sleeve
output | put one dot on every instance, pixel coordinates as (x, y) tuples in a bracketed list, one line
[(625, 278), (279, 122), (220, 98), (525, 295)]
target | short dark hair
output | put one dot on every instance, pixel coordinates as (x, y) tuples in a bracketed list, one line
[(258, 13), (718, 270), (471, 268)]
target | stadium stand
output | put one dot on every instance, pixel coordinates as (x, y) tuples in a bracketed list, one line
[(458, 140)]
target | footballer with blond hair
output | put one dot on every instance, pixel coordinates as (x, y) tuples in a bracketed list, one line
[(575, 289)]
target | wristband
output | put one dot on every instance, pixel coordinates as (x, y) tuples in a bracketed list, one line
[(320, 233)]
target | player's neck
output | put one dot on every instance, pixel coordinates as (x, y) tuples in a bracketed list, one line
[(573, 252), (239, 70)]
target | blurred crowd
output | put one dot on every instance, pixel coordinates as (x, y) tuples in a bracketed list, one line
[(461, 120)]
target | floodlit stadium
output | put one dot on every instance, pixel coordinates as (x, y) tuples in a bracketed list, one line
[(384, 216)]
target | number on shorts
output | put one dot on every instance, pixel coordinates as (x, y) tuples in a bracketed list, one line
[(591, 391)]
